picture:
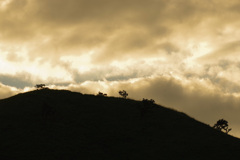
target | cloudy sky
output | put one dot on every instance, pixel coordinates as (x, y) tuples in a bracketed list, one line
[(184, 54)]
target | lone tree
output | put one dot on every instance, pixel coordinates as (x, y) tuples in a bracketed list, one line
[(222, 125), (123, 93)]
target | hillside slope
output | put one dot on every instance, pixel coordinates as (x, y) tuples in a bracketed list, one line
[(59, 124)]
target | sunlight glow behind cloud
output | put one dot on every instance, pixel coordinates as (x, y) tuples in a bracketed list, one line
[(4, 3)]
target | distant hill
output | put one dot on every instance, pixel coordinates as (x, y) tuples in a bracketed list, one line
[(59, 124)]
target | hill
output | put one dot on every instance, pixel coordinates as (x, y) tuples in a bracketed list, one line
[(59, 124)]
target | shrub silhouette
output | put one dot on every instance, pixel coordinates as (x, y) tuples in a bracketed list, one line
[(40, 86), (123, 93), (147, 102), (222, 125), (101, 94)]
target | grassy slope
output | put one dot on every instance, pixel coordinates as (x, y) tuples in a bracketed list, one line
[(91, 127)]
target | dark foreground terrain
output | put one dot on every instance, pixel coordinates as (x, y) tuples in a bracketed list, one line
[(57, 124)]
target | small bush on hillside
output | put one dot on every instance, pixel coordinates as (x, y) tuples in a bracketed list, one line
[(148, 102), (101, 94), (40, 86), (222, 125), (123, 93)]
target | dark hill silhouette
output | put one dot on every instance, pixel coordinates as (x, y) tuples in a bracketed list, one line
[(58, 124)]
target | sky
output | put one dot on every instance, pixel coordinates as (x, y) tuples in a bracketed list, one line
[(184, 54)]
